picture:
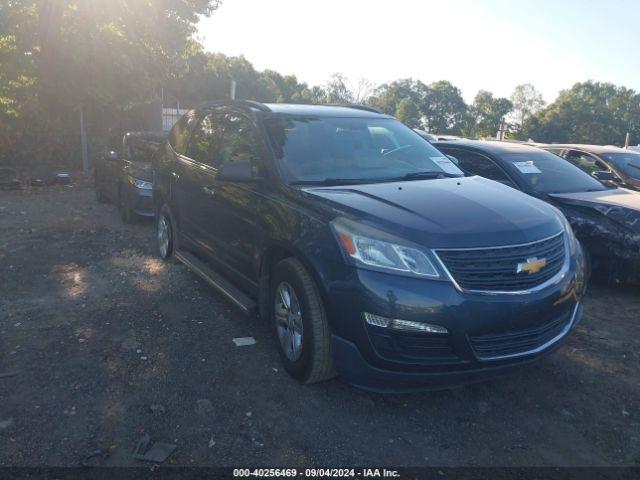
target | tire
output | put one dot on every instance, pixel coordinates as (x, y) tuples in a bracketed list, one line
[(126, 213), (302, 331), (165, 225)]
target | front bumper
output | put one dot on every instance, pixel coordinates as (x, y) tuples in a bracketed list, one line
[(487, 334), (355, 369), (140, 201)]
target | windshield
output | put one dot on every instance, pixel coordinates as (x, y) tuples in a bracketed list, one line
[(544, 172), (340, 150), (629, 162)]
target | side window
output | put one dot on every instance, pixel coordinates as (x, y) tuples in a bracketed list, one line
[(585, 161), (239, 141), (205, 140), (477, 164)]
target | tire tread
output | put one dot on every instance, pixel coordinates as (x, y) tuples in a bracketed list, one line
[(322, 357)]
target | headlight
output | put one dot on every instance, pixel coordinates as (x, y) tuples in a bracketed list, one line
[(371, 248), (142, 184)]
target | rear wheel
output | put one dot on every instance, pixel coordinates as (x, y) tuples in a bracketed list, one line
[(165, 233), (300, 323)]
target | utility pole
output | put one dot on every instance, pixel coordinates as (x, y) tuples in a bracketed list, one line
[(501, 131), (83, 143), (627, 140), (233, 89)]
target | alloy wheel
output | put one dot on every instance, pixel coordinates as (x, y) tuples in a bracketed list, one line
[(289, 321)]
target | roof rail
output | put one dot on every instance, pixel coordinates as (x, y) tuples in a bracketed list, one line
[(356, 106), (240, 103)]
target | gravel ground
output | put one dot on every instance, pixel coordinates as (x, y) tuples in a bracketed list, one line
[(100, 342)]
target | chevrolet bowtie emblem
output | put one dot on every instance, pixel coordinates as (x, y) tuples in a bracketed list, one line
[(532, 265)]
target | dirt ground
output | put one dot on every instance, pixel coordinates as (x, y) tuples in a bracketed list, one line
[(101, 342)]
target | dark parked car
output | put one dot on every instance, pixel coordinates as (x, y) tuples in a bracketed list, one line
[(124, 173), (365, 246), (612, 165), (605, 219)]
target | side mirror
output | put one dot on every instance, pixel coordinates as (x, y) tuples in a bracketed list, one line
[(605, 176), (240, 171), (112, 156)]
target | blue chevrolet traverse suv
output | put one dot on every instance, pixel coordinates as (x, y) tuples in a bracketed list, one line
[(368, 250)]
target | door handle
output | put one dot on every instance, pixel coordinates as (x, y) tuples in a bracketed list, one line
[(209, 191), (175, 175)]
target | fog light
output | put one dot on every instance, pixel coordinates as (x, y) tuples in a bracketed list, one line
[(406, 325)]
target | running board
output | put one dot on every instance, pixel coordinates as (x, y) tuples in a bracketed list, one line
[(240, 299)]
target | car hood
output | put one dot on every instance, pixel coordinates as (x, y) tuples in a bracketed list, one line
[(620, 205), (445, 213), (141, 170)]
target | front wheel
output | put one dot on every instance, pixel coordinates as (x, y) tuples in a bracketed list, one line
[(300, 323), (165, 233)]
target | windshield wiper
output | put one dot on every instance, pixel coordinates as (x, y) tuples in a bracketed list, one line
[(427, 175), (334, 181)]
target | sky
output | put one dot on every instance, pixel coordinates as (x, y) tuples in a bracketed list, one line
[(476, 44)]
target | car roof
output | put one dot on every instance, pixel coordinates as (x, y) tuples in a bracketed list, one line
[(297, 109), (323, 110), (494, 147), (587, 148)]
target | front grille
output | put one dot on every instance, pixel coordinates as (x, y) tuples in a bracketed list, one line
[(495, 269), (514, 342)]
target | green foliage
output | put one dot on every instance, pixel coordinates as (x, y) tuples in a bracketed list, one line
[(444, 108), (387, 97), (589, 112), (56, 55), (526, 101), (440, 105), (408, 113), (486, 115)]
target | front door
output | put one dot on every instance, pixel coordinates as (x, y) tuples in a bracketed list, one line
[(235, 206)]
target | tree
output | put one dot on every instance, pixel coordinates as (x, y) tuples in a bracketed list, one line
[(588, 112), (486, 115), (526, 101), (444, 108), (339, 89), (57, 56), (408, 113), (440, 105), (387, 97)]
